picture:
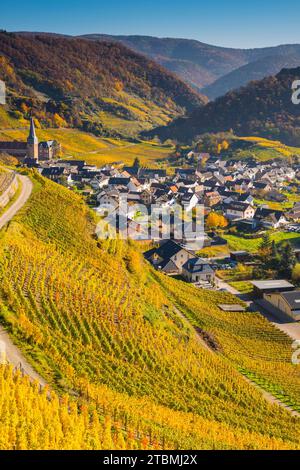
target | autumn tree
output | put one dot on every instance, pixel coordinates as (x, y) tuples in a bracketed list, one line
[(215, 220)]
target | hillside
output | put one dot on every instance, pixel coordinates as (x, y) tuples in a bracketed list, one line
[(212, 70), (33, 419), (102, 327), (256, 70), (102, 87), (197, 63), (96, 150), (262, 108)]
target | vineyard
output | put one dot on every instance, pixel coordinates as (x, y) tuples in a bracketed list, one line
[(34, 418), (102, 327), (37, 419), (247, 340)]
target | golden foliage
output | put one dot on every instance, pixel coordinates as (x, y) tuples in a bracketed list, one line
[(98, 321)]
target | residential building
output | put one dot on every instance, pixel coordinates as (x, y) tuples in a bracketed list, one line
[(196, 270), (169, 257), (239, 210)]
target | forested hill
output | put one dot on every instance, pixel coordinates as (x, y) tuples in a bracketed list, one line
[(197, 63), (257, 70), (87, 84), (262, 108), (204, 66)]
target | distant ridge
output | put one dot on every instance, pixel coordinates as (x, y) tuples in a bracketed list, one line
[(213, 70), (253, 71), (263, 108)]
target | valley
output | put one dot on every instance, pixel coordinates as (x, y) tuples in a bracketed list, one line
[(87, 358), (117, 333)]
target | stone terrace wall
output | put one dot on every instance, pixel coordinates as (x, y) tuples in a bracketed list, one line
[(9, 189)]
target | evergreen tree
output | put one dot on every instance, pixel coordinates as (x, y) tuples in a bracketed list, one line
[(287, 262), (266, 244), (274, 261)]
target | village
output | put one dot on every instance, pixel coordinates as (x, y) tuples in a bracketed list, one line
[(235, 196), (227, 190)]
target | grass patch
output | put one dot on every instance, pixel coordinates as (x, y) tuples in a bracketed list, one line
[(214, 251), (265, 149), (244, 287), (8, 121), (238, 242), (273, 389), (149, 154), (281, 206)]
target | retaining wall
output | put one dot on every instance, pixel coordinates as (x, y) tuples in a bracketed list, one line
[(6, 196)]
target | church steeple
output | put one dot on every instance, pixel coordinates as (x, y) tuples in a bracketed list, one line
[(32, 142), (32, 138)]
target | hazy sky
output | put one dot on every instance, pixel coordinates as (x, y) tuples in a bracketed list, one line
[(233, 23)]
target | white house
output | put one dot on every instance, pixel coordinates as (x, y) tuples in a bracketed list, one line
[(239, 210)]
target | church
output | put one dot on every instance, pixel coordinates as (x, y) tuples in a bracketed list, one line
[(32, 149)]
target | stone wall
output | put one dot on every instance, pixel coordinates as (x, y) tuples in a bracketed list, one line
[(6, 196)]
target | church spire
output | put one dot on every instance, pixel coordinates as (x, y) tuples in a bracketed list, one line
[(32, 138), (32, 142)]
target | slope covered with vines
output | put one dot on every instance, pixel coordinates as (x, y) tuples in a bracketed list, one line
[(97, 323), (254, 345)]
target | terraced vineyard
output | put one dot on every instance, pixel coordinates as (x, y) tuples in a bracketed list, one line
[(256, 347), (33, 418), (98, 323), (37, 419)]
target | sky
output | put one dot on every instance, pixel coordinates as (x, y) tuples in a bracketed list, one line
[(230, 23)]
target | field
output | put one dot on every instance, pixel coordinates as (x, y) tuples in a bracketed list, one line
[(149, 153), (238, 242), (264, 149), (214, 251), (34, 419), (98, 323), (9, 122), (281, 206), (96, 150), (144, 115), (244, 287)]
